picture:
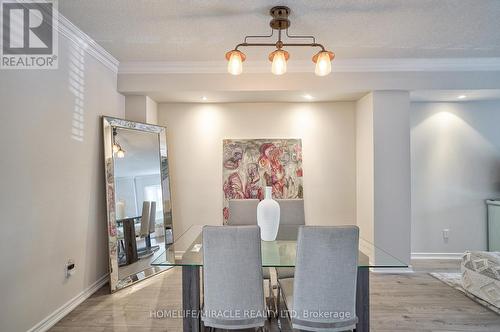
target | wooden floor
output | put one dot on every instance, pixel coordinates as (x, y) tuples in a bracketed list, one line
[(399, 302)]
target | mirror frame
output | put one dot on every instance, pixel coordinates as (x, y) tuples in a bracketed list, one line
[(108, 124)]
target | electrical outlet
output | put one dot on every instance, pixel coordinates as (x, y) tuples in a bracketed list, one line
[(70, 268), (446, 234)]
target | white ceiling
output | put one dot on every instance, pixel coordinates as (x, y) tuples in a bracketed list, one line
[(157, 30), (455, 95), (251, 96), (315, 96)]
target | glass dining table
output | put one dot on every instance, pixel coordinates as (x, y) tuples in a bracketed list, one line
[(187, 252)]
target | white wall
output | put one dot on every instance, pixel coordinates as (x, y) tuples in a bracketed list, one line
[(125, 193), (141, 108), (135, 108), (151, 111), (383, 174), (364, 167), (392, 185), (455, 167), (52, 194), (195, 133)]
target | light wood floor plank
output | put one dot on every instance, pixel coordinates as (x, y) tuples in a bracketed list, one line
[(399, 302)]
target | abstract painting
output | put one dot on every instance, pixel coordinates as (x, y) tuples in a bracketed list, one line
[(251, 164)]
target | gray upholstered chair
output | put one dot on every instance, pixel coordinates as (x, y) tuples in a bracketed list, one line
[(322, 295), (144, 231), (147, 227), (292, 213), (152, 228), (232, 277), (145, 220), (242, 212)]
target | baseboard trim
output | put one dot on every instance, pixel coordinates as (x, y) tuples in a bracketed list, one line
[(436, 255), (66, 308), (392, 270)]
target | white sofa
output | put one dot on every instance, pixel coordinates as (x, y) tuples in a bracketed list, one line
[(481, 275)]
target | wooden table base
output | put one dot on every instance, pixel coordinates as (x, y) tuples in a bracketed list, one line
[(191, 298), (129, 239), (363, 300)]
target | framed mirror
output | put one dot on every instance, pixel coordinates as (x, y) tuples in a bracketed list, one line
[(139, 208)]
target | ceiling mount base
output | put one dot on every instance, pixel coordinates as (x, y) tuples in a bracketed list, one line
[(280, 19)]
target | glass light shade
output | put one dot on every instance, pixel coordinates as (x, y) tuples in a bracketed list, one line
[(323, 64), (120, 154), (116, 148), (235, 63), (279, 63)]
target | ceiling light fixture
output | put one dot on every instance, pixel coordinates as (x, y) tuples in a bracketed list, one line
[(462, 97), (279, 57), (120, 154), (308, 97), (117, 148), (204, 98)]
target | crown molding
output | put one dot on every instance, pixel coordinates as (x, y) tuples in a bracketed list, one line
[(65, 28), (300, 66), (77, 36)]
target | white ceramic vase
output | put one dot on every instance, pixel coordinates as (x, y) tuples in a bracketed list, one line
[(268, 216)]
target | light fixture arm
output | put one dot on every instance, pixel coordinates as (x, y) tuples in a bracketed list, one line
[(261, 36), (300, 37), (283, 45)]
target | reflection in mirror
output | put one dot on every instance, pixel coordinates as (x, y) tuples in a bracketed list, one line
[(139, 195)]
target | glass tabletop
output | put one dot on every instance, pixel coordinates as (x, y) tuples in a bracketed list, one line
[(187, 250)]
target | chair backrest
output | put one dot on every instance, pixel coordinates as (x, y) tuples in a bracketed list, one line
[(145, 220), (232, 277), (292, 211), (325, 277), (152, 218), (242, 212)]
